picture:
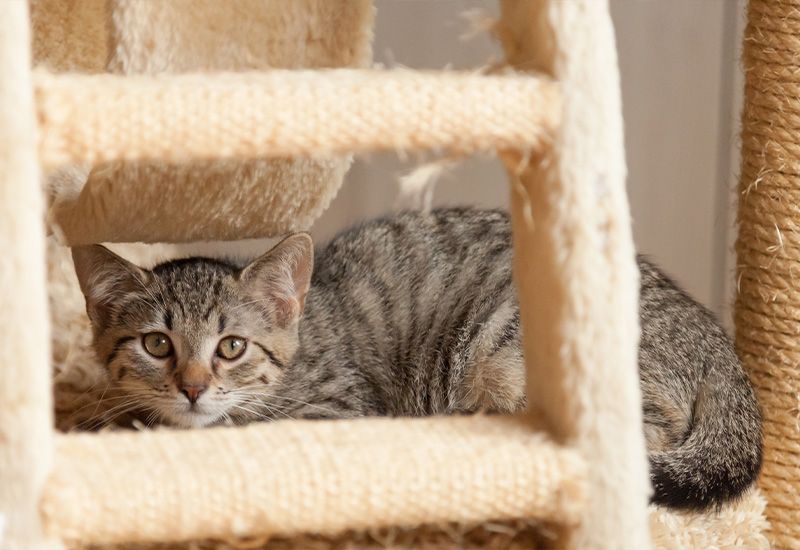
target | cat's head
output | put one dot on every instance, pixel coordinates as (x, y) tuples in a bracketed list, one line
[(193, 342)]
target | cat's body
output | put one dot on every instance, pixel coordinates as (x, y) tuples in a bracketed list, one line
[(412, 315), (409, 315)]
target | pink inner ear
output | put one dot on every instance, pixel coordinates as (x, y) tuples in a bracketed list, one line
[(283, 276), (302, 278), (287, 311), (104, 277)]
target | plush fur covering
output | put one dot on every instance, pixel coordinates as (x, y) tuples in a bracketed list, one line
[(212, 199), (740, 526), (26, 439), (574, 268)]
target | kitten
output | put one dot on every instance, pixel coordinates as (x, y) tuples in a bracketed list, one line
[(406, 316)]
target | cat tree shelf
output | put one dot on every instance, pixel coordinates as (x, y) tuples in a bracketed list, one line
[(286, 478), (98, 118)]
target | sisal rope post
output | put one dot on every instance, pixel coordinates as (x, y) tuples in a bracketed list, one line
[(767, 312), (574, 265), (26, 432)]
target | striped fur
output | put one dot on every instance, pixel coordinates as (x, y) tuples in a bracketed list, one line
[(409, 315)]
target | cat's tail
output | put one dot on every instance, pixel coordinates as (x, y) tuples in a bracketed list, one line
[(721, 457)]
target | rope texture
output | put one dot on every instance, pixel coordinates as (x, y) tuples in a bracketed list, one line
[(101, 118), (287, 478), (768, 248)]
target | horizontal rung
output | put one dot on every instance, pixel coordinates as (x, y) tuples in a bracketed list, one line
[(291, 477), (98, 118)]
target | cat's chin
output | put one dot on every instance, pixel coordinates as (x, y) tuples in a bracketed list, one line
[(192, 419)]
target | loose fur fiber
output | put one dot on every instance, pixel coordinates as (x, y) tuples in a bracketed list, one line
[(739, 526)]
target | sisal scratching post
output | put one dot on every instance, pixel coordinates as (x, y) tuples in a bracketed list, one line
[(101, 118), (768, 249), (293, 477), (574, 265), (25, 402)]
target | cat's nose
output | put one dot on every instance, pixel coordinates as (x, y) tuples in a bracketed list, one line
[(193, 391)]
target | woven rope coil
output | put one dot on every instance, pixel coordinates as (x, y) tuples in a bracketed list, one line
[(294, 477), (287, 113), (768, 249)]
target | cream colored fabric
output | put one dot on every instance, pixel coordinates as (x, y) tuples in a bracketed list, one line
[(290, 477), (71, 35), (26, 416), (741, 524), (574, 265), (287, 113), (204, 200), (733, 527), (108, 209)]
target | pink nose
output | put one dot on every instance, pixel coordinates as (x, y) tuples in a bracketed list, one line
[(193, 391)]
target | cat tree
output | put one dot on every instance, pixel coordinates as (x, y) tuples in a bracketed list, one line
[(257, 151)]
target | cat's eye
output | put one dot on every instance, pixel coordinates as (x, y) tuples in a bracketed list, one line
[(157, 344), (231, 347)]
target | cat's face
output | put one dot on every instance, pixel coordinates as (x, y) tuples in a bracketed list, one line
[(195, 342)]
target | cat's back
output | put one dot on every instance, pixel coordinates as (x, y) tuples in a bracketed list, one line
[(411, 245), (411, 268), (413, 300)]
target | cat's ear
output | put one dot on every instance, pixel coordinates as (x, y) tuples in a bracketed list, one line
[(104, 278), (282, 276)]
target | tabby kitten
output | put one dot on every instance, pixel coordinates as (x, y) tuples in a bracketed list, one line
[(405, 316)]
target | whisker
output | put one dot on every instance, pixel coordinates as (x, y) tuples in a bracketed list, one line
[(251, 411), (102, 395), (106, 420), (89, 390), (96, 403), (300, 401), (269, 408), (238, 392), (152, 418), (227, 420)]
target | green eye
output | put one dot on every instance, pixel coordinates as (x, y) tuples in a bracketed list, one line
[(231, 347), (157, 344)]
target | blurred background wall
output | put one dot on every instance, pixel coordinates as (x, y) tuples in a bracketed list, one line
[(681, 91)]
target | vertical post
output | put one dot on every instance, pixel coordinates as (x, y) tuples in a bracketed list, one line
[(26, 426), (767, 313), (574, 265)]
